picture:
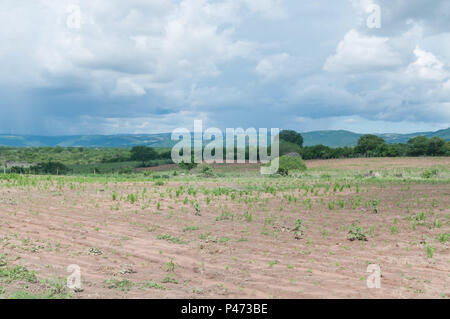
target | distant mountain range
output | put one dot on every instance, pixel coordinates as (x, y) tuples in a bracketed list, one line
[(346, 138), (162, 140)]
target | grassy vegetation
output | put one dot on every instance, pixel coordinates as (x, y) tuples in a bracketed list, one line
[(81, 160), (65, 155), (42, 288), (78, 160)]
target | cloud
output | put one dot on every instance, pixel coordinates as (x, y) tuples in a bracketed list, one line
[(164, 42), (427, 67), (391, 73), (359, 53), (272, 9), (277, 66), (126, 87), (136, 65)]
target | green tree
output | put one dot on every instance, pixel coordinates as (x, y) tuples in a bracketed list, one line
[(317, 151), (447, 149), (54, 168), (419, 145), (143, 154), (395, 150), (367, 144), (436, 146), (292, 137), (288, 147)]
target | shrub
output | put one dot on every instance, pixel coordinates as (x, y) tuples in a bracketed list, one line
[(188, 165), (206, 170), (288, 163), (159, 183), (356, 233)]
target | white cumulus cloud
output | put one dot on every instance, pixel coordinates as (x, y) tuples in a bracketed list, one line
[(360, 53)]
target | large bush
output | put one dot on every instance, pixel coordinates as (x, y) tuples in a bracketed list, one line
[(290, 163)]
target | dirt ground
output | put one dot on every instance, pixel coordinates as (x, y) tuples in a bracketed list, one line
[(232, 237), (379, 163)]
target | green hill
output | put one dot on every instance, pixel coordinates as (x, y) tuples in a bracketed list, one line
[(330, 138), (346, 138), (119, 141), (162, 140)]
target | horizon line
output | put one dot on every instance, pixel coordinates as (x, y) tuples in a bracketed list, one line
[(161, 133)]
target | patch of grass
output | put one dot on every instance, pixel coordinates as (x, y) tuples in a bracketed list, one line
[(437, 223), (429, 173), (2, 260), (122, 285), (132, 198), (225, 215), (224, 239), (394, 229), (57, 288), (17, 273), (429, 250), (170, 266), (24, 294), (53, 289), (190, 228), (153, 285), (170, 238), (170, 279), (205, 236), (443, 238)]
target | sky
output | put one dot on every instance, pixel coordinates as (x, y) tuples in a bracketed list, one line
[(150, 66)]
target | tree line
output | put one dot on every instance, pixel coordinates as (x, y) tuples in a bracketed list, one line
[(367, 146), (290, 142), (374, 146)]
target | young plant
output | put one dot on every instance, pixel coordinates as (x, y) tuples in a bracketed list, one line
[(356, 233), (298, 229)]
